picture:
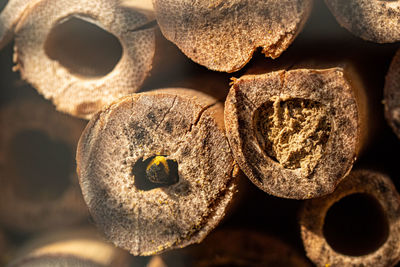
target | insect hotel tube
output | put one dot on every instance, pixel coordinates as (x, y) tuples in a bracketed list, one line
[(392, 94), (84, 54), (296, 133), (39, 186), (230, 247), (156, 170), (223, 35), (375, 21), (76, 247), (357, 225)]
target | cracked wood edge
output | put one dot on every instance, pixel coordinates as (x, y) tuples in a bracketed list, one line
[(238, 28)]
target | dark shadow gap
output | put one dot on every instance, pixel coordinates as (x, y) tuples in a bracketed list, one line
[(42, 165)]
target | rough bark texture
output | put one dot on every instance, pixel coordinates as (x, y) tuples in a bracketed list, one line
[(312, 219), (233, 248), (376, 21), (223, 35), (10, 16), (184, 126), (82, 95), (296, 133), (78, 247), (392, 94), (22, 207)]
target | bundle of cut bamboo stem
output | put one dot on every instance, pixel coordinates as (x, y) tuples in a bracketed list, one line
[(356, 225), (158, 170)]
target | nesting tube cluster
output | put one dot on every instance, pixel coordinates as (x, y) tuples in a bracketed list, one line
[(159, 170)]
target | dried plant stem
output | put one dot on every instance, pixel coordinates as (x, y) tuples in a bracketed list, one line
[(376, 21), (296, 133), (223, 35), (84, 54), (356, 225), (156, 170), (231, 247)]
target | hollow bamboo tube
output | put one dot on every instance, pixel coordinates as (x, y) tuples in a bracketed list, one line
[(39, 187), (84, 54), (392, 94), (375, 21), (9, 17), (223, 35), (156, 170), (77, 247), (357, 225), (296, 133), (230, 247)]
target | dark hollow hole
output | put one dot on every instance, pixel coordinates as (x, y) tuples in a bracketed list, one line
[(149, 178), (356, 225), (83, 48), (3, 4), (43, 165)]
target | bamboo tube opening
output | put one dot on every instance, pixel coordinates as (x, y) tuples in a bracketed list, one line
[(43, 165), (356, 225), (155, 172), (83, 48), (293, 132), (84, 55)]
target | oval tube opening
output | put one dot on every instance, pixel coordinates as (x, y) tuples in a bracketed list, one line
[(83, 48), (356, 225), (155, 172)]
